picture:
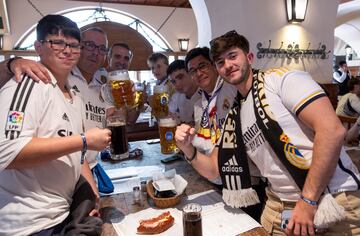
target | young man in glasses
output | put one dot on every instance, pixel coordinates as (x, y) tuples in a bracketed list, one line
[(278, 123), (42, 143), (217, 97), (87, 78)]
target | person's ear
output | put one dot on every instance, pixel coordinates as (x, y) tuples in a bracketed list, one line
[(250, 57), (38, 47)]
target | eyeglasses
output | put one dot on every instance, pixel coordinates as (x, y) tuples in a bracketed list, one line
[(229, 34), (91, 46), (60, 45), (203, 67)]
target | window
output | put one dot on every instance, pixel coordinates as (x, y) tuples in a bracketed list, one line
[(85, 16)]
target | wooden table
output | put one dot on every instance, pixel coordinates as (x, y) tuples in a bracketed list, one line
[(120, 205)]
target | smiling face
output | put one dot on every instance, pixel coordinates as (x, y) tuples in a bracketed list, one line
[(203, 73), (234, 65), (91, 61), (120, 58), (59, 62)]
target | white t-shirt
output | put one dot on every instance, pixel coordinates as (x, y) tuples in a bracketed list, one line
[(183, 107), (95, 107), (349, 105), (37, 198), (288, 93)]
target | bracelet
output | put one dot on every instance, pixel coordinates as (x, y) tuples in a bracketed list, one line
[(308, 201), (84, 148), (8, 64), (189, 160)]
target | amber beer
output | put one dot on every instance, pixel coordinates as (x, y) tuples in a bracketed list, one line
[(139, 95), (161, 101), (122, 89), (167, 128)]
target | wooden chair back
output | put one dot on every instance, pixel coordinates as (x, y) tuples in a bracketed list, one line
[(347, 121)]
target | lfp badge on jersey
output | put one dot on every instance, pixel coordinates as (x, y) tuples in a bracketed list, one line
[(15, 121)]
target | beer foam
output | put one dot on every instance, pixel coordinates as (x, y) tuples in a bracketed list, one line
[(161, 89), (118, 75), (167, 122), (116, 123)]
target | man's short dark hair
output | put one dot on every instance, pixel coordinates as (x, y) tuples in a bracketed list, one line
[(204, 51), (341, 63), (226, 41), (157, 56), (56, 25), (175, 65), (353, 81), (122, 45)]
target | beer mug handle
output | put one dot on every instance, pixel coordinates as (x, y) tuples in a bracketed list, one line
[(106, 94)]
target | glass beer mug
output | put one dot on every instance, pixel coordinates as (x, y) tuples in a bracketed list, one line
[(119, 149), (139, 95), (192, 225), (160, 101), (167, 128), (119, 89)]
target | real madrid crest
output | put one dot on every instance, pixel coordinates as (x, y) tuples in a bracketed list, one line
[(103, 79), (226, 105)]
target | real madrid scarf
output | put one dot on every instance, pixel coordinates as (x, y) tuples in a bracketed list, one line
[(209, 129), (233, 165)]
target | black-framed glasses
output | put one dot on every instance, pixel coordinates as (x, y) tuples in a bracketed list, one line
[(229, 34), (60, 45), (91, 46), (203, 67)]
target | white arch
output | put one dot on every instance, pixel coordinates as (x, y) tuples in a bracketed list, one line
[(203, 21), (85, 15), (347, 24)]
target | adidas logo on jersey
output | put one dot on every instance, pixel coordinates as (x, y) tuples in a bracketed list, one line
[(65, 117), (231, 166)]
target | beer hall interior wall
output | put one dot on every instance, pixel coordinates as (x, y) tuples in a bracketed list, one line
[(181, 24), (261, 21)]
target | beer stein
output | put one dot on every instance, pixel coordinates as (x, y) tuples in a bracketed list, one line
[(119, 89), (192, 224), (167, 128), (139, 95), (160, 103), (119, 143)]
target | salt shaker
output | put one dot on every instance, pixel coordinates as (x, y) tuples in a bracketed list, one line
[(136, 194), (143, 186)]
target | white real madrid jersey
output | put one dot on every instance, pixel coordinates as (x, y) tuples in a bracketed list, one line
[(32, 199), (287, 93), (95, 107)]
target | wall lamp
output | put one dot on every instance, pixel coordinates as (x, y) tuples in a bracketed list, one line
[(183, 44), (296, 10)]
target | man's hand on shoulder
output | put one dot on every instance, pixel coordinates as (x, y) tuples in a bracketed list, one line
[(33, 69)]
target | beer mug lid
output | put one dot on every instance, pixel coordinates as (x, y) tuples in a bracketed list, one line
[(118, 75)]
